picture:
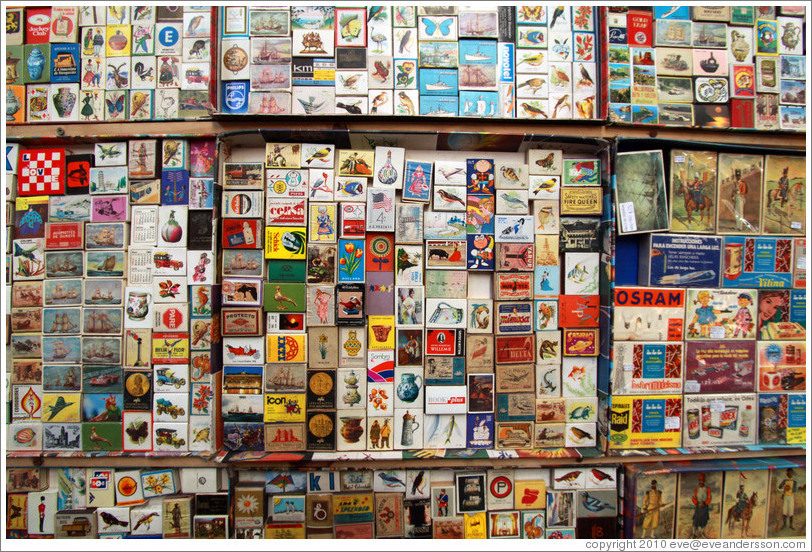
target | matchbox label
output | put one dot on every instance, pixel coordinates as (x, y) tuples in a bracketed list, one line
[(446, 399)]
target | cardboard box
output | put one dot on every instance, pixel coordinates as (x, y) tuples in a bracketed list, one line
[(781, 419), (581, 201), (649, 314), (680, 260), (799, 263), (781, 366), (719, 420), (578, 311), (647, 421), (759, 262), (645, 368), (720, 366)]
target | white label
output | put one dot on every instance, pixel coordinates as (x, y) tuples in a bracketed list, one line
[(672, 422), (717, 332), (801, 263), (717, 406), (628, 220), (692, 386), (679, 159), (796, 225), (628, 367)]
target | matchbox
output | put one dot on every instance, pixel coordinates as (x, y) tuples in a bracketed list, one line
[(647, 421)]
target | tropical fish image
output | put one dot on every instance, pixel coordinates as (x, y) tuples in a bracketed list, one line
[(351, 187)]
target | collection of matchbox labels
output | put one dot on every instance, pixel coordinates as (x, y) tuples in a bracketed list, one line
[(374, 301), (114, 63), (558, 503), (111, 265), (711, 66), (528, 62), (714, 354)]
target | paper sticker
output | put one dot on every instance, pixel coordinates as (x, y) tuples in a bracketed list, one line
[(692, 386), (628, 367), (717, 332), (796, 225), (717, 406), (627, 217), (672, 423)]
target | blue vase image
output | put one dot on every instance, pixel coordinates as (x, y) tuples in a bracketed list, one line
[(35, 64), (408, 389)]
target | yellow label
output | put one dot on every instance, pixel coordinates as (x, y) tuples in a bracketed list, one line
[(530, 494), (381, 332), (170, 350), (581, 201), (285, 531), (658, 418), (22, 203), (285, 407), (286, 348), (796, 435), (476, 526), (61, 407), (287, 243), (118, 40)]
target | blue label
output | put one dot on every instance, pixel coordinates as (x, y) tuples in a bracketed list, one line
[(480, 431), (235, 97), (507, 54), (797, 306), (684, 261), (653, 361), (168, 36), (617, 35), (653, 416), (672, 12), (764, 260), (796, 411)]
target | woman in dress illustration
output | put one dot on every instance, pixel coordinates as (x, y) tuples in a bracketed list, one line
[(325, 225), (322, 302), (418, 185), (704, 315)]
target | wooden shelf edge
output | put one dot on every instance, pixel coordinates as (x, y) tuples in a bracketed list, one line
[(592, 129), (196, 462)]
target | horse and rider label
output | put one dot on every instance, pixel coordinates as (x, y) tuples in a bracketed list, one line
[(679, 260)]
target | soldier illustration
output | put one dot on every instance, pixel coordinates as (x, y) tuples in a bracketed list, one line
[(652, 503), (739, 191), (787, 489), (701, 499)]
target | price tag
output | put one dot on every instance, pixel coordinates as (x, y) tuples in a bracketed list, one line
[(628, 367), (628, 220), (800, 263), (796, 225), (692, 386), (672, 422), (717, 406), (679, 159), (717, 332)]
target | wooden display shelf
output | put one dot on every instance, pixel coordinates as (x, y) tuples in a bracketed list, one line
[(591, 129), (427, 463)]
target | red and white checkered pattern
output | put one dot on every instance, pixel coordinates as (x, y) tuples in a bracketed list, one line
[(41, 172)]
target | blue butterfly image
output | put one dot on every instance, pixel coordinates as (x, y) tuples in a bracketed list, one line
[(444, 26)]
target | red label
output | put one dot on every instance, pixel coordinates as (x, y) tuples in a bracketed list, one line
[(639, 26), (380, 255), (515, 349), (443, 342), (675, 326), (173, 318), (742, 113), (38, 27), (63, 235), (501, 487), (578, 311), (287, 212)]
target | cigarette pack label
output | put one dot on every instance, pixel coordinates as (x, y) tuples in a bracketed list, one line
[(646, 421)]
